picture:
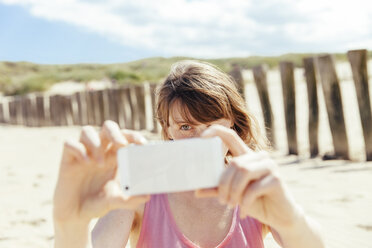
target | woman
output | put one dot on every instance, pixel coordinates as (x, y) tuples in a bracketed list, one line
[(196, 100)]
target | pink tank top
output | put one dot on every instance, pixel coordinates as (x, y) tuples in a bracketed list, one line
[(159, 229)]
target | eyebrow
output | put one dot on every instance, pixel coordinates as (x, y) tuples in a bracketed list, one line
[(180, 121)]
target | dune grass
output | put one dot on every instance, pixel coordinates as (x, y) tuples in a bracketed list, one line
[(25, 77)]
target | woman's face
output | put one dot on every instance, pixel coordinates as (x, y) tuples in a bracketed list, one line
[(179, 128)]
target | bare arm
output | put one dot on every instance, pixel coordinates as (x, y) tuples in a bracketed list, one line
[(113, 229), (305, 232), (71, 234), (252, 181), (87, 187)]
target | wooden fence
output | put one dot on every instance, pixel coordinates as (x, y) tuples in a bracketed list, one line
[(133, 106), (130, 106)]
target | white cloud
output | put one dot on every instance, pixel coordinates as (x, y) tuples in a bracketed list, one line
[(217, 28)]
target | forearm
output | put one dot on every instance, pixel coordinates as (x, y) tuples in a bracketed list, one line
[(303, 233), (113, 229), (72, 235)]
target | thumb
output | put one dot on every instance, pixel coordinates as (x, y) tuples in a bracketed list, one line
[(111, 198)]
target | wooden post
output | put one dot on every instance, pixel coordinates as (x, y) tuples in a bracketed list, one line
[(53, 110), (34, 111), (153, 107), (2, 117), (40, 111), (141, 104), (134, 107), (120, 107), (127, 107), (113, 100), (61, 110), (81, 108), (24, 111), (236, 74), (15, 110), (90, 107), (289, 93), (67, 110), (98, 106), (75, 110), (310, 77), (48, 118), (56, 110), (18, 110), (358, 62), (27, 113), (12, 112), (78, 110), (332, 94), (259, 74)]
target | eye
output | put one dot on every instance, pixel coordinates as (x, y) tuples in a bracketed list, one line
[(185, 127)]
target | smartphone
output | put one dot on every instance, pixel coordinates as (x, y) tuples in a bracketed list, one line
[(171, 166)]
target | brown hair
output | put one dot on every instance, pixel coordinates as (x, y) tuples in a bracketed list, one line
[(206, 94)]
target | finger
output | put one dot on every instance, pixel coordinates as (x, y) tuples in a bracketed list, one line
[(256, 190), (232, 140), (90, 138), (251, 157), (245, 174), (239, 182), (75, 150), (134, 137), (206, 193), (225, 184), (111, 134)]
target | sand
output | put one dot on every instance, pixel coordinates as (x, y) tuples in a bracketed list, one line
[(335, 193)]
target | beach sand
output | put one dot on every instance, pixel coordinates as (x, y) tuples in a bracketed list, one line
[(337, 194)]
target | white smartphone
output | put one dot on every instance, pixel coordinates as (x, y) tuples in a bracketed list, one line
[(171, 166)]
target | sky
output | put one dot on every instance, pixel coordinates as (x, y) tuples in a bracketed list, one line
[(111, 31)]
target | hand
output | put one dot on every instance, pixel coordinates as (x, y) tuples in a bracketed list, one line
[(252, 181), (87, 187)]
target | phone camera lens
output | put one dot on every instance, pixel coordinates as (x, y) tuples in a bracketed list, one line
[(126, 188)]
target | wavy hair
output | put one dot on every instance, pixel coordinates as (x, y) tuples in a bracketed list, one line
[(206, 94)]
